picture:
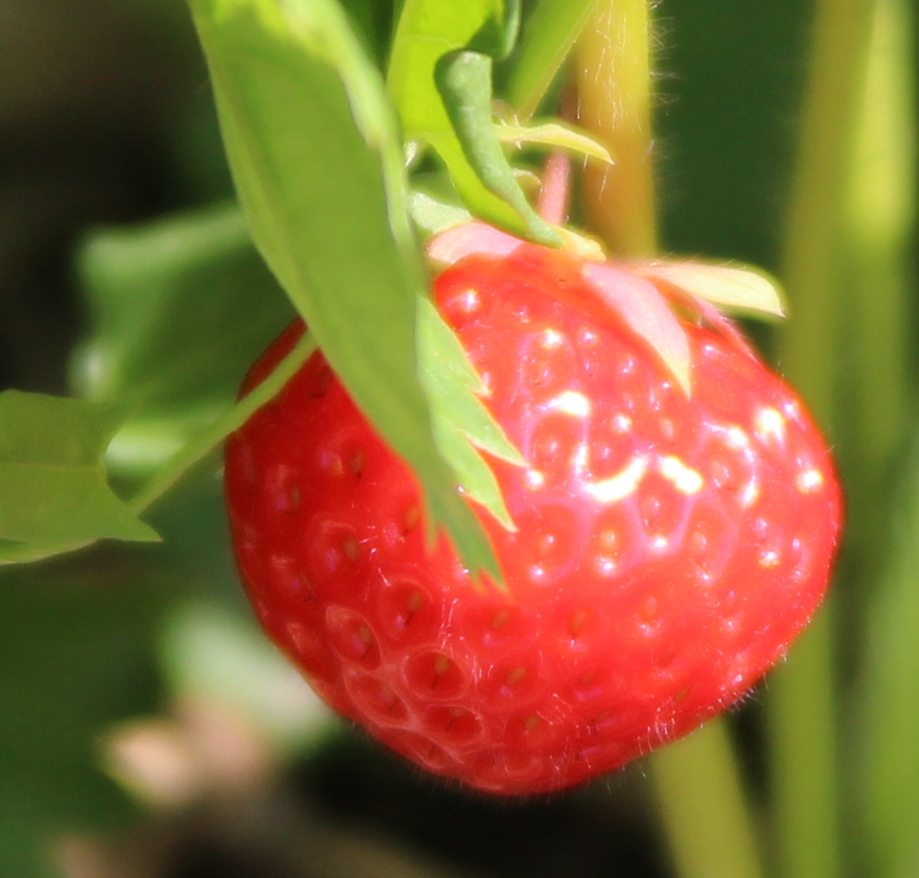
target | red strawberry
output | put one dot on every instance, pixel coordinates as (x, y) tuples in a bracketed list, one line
[(668, 547)]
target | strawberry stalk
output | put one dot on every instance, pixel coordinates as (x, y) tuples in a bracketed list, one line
[(553, 197), (698, 776), (613, 78)]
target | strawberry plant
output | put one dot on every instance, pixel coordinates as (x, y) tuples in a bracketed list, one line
[(513, 490)]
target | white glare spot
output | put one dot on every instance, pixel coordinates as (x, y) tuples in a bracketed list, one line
[(809, 481), (571, 403), (769, 558), (622, 423), (622, 484), (684, 478), (737, 438), (469, 300), (535, 479), (659, 543), (750, 493), (770, 426), (551, 338)]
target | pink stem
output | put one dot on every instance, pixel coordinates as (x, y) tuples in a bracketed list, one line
[(553, 197)]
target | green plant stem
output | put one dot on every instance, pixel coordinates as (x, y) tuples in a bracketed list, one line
[(704, 807), (880, 227), (195, 452), (811, 258), (613, 80), (802, 693), (803, 752)]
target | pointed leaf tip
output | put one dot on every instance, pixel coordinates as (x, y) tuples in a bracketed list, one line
[(558, 136), (735, 288)]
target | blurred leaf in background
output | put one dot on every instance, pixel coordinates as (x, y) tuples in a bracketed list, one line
[(179, 309), (76, 645)]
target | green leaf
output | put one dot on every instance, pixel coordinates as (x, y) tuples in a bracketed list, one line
[(464, 79), (555, 135), (736, 289), (53, 490), (498, 35), (433, 216), (317, 161), (179, 308), (548, 36), (428, 30), (454, 389)]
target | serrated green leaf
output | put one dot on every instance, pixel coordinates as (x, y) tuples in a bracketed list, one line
[(445, 366), (454, 389), (479, 481), (464, 80), (731, 287), (317, 160), (647, 314), (53, 490), (428, 30), (548, 36), (555, 135)]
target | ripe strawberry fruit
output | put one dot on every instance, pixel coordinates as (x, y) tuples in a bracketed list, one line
[(668, 547)]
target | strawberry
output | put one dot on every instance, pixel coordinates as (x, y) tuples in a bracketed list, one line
[(668, 547)]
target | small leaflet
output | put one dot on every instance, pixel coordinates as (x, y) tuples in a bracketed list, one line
[(730, 287)]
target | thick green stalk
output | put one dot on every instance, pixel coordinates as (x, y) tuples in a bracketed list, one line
[(613, 79), (802, 693), (812, 249), (804, 756), (881, 228), (704, 807)]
